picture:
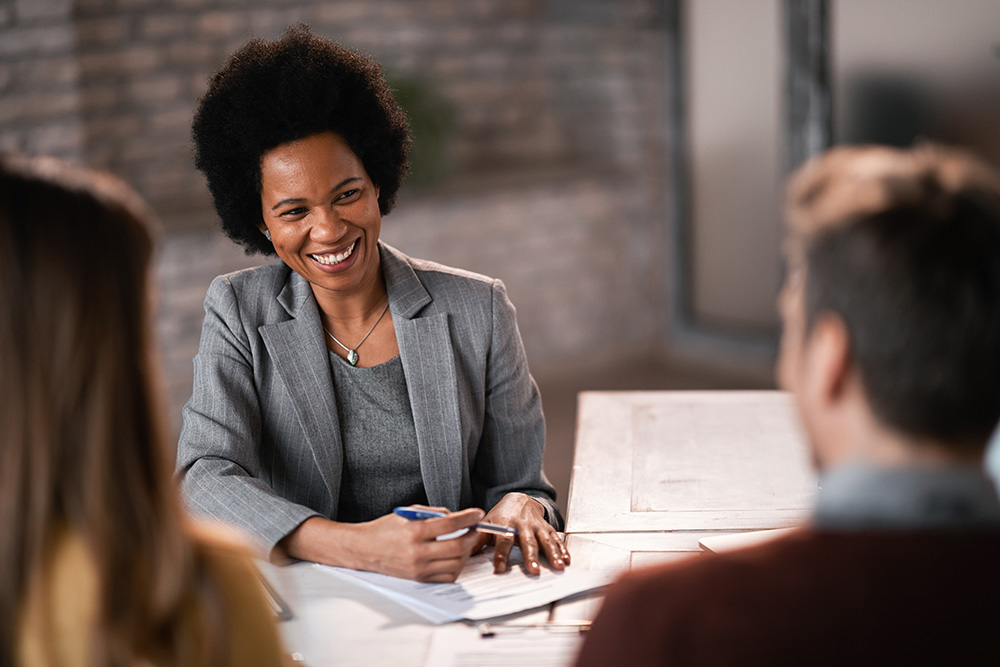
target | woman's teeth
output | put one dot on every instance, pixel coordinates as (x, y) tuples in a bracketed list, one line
[(335, 258)]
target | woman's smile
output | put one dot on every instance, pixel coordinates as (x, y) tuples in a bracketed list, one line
[(322, 213), (332, 258)]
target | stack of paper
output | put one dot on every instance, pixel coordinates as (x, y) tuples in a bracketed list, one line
[(479, 593)]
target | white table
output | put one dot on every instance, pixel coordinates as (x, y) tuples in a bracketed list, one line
[(339, 622), (654, 473), (688, 461)]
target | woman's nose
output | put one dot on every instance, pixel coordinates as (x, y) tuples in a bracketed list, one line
[(328, 227)]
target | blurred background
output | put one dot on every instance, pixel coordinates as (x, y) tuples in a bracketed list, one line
[(617, 163)]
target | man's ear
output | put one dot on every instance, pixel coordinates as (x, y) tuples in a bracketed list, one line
[(828, 359)]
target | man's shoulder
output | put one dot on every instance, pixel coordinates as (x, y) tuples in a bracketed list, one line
[(811, 551), (775, 603), (706, 571), (808, 555)]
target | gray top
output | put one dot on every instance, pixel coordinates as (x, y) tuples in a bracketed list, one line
[(381, 459), (858, 496)]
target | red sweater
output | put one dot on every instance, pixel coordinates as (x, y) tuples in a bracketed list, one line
[(812, 598)]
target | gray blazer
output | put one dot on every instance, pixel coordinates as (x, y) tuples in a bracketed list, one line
[(260, 446)]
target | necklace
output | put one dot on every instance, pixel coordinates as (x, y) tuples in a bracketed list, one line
[(352, 354)]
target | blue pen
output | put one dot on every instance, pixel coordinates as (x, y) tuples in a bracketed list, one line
[(416, 514)]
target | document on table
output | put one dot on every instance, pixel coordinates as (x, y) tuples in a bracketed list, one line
[(733, 541), (462, 646), (478, 593)]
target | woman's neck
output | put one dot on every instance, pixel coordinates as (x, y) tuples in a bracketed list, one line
[(352, 309)]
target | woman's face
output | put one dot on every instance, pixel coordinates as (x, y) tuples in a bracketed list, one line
[(322, 212)]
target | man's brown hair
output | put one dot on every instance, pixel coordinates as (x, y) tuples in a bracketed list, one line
[(904, 246)]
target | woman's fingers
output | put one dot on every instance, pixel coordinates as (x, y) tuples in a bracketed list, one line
[(431, 529), (529, 549), (554, 550), (482, 539), (440, 547), (535, 535), (445, 559), (411, 548), (501, 554), (442, 510), (567, 559), (447, 573)]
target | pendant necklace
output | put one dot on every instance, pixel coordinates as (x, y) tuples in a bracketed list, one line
[(352, 355)]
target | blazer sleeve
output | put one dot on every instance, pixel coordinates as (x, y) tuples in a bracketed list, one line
[(513, 444), (218, 454)]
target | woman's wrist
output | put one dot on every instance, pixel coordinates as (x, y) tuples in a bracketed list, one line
[(538, 502), (320, 540), (535, 503)]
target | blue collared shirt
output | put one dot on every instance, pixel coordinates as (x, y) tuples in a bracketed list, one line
[(857, 496)]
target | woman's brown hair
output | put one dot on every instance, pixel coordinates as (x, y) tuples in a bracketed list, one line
[(81, 442)]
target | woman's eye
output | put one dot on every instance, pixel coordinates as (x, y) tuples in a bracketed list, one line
[(347, 195), (292, 212)]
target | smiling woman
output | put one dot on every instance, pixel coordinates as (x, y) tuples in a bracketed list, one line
[(328, 234), (323, 233), (349, 379)]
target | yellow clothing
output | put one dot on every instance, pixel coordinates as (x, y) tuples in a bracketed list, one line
[(72, 601)]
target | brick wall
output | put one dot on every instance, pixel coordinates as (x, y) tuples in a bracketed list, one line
[(114, 82), (557, 151), (40, 106)]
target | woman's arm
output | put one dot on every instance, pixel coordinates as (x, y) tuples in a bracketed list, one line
[(390, 545), (218, 454), (509, 461)]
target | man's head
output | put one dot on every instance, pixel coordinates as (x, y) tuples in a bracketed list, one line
[(892, 300)]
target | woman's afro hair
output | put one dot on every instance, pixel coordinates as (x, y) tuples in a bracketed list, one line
[(272, 93)]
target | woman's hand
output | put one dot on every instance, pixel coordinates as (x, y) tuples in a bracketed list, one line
[(527, 516), (390, 544)]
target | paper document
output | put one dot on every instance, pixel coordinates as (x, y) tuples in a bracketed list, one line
[(733, 541), (462, 646), (478, 593)]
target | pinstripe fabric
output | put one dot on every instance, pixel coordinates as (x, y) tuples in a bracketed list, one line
[(260, 445)]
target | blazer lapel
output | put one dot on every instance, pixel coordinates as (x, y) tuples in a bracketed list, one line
[(425, 348), (300, 357)]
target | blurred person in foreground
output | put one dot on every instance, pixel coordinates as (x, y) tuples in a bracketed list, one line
[(98, 564), (348, 378), (891, 351)]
